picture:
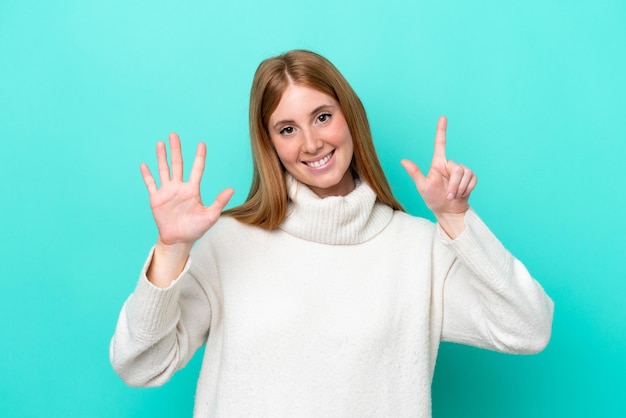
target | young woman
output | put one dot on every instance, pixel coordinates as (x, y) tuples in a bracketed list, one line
[(319, 296)]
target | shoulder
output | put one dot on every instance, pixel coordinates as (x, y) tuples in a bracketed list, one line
[(405, 220), (227, 240), (228, 224), (229, 230), (406, 229)]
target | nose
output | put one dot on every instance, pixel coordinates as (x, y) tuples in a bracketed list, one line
[(312, 143)]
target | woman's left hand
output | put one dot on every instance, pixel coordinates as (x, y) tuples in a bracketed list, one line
[(447, 187)]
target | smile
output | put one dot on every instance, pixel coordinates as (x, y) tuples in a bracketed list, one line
[(321, 162)]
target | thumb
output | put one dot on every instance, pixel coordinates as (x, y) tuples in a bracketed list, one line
[(209, 215), (214, 211), (222, 199), (413, 170)]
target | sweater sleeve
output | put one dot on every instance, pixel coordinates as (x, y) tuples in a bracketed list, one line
[(489, 298), (159, 330)]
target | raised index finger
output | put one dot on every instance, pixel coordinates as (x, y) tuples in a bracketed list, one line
[(440, 139)]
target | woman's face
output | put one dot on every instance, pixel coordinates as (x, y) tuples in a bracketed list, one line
[(313, 141)]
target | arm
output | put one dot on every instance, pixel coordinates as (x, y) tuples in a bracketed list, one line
[(159, 330), (167, 318), (489, 299)]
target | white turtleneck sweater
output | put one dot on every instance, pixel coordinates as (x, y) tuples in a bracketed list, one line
[(339, 313)]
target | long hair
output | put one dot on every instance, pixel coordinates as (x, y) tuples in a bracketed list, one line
[(267, 201)]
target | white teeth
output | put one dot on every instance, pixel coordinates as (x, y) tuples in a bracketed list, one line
[(320, 163)]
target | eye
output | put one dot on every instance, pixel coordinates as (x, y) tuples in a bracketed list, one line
[(287, 130), (324, 117)]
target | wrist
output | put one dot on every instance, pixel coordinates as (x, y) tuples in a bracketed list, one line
[(168, 261), (173, 251), (453, 224)]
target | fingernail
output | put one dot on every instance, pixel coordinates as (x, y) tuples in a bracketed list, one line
[(450, 196)]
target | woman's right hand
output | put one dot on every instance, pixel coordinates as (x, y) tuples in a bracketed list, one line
[(177, 207)]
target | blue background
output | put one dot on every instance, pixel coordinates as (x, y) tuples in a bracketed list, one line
[(535, 94)]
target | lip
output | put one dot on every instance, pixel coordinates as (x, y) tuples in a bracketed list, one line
[(328, 157)]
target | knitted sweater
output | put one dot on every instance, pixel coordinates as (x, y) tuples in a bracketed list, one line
[(338, 313)]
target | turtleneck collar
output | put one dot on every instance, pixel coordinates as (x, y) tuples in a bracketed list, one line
[(340, 220)]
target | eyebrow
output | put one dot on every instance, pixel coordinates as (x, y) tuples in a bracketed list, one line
[(313, 112)]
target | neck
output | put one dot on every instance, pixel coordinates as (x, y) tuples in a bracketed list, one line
[(340, 220)]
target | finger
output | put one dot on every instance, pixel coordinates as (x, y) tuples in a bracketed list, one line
[(222, 199), (164, 169), (471, 186), (219, 204), (455, 173), (177, 157), (465, 181), (413, 170), (198, 164), (440, 139), (147, 178)]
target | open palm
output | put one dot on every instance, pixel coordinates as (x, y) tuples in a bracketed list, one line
[(177, 207)]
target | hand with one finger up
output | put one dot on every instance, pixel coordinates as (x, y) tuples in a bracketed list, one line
[(447, 186)]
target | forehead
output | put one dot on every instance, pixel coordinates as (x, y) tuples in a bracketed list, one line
[(300, 100)]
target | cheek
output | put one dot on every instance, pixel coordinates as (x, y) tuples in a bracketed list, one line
[(286, 153), (349, 146), (346, 139), (342, 134)]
